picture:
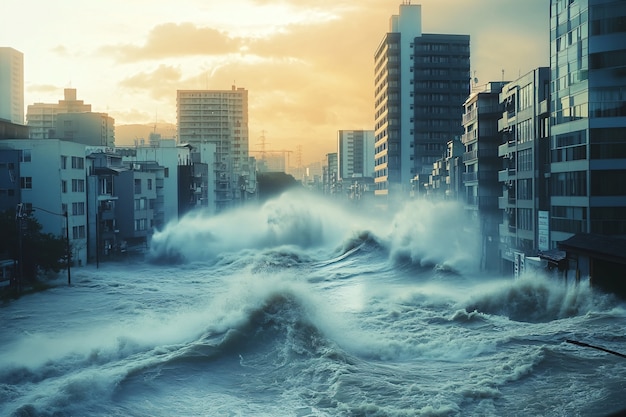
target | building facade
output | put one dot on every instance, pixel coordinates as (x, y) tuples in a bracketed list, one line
[(11, 85), (52, 183), (355, 153), (421, 82), (480, 123), (93, 129), (219, 117), (524, 132), (41, 117), (588, 118)]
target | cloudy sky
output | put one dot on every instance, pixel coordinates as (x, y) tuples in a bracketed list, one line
[(308, 64)]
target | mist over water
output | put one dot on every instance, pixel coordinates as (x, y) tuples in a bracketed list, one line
[(306, 307)]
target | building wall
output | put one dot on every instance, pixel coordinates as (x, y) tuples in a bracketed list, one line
[(481, 140), (588, 131), (219, 117), (10, 191), (421, 82), (166, 154), (11, 85), (41, 117), (355, 150), (133, 210), (53, 180), (524, 135), (94, 129)]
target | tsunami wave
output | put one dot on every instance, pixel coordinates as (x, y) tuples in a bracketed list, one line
[(425, 233)]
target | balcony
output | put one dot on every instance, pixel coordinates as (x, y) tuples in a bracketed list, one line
[(471, 136), (470, 176), (471, 155)]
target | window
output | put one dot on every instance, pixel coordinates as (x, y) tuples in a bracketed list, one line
[(167, 172), (78, 186), (63, 186), (26, 155), (63, 162), (140, 204), (26, 182), (140, 224), (78, 232), (78, 162), (137, 186), (149, 183), (78, 209)]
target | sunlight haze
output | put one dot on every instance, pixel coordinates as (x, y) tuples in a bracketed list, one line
[(308, 65)]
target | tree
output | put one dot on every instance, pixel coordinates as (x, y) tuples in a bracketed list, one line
[(40, 252), (271, 184)]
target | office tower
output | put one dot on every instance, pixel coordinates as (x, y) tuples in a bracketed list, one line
[(588, 118), (421, 82), (11, 85), (355, 153), (219, 117), (41, 117), (524, 142)]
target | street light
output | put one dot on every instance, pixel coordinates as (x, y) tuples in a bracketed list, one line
[(67, 240)]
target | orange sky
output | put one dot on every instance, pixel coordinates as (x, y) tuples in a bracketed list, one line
[(308, 65)]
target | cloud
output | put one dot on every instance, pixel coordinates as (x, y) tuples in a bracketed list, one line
[(43, 88), (309, 78), (159, 83), (171, 39)]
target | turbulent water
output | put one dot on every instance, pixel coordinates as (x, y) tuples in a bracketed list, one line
[(300, 307)]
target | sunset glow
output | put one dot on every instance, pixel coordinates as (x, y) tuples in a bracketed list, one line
[(308, 65)]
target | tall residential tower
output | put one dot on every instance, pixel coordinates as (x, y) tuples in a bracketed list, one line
[(11, 85), (421, 83), (588, 118), (220, 118)]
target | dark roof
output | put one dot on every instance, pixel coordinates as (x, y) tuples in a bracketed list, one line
[(600, 246), (553, 255)]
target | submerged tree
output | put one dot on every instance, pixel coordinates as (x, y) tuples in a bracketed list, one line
[(39, 252), (271, 184)]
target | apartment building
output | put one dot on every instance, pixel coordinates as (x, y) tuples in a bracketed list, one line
[(52, 183), (524, 149), (588, 118), (41, 117), (11, 85), (93, 129), (421, 82), (355, 154), (219, 117), (482, 189)]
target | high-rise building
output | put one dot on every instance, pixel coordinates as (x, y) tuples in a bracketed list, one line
[(481, 140), (524, 133), (588, 118), (41, 117), (11, 85), (421, 82), (355, 153), (219, 117)]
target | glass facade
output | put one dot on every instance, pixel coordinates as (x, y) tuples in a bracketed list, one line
[(588, 117)]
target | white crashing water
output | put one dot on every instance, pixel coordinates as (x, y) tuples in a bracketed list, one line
[(304, 308)]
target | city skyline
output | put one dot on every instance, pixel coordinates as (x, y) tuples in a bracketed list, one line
[(308, 66)]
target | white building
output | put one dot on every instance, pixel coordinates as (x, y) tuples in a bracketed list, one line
[(169, 156), (52, 179), (11, 85), (219, 117), (41, 117), (355, 153)]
